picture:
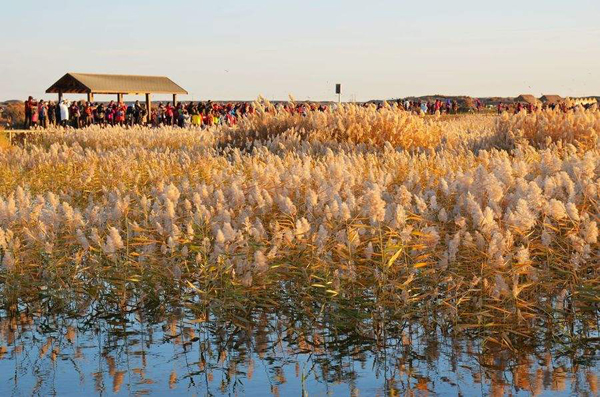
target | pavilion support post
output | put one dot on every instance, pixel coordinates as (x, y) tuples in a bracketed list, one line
[(148, 109), (174, 99), (60, 96), (90, 97), (119, 98)]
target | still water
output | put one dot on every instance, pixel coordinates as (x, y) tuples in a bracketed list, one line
[(271, 352)]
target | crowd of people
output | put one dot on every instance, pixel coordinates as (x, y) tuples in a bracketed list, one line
[(79, 114), (430, 107), (530, 107), (476, 105)]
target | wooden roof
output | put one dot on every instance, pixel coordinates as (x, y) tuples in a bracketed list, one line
[(552, 99), (527, 98), (82, 83)]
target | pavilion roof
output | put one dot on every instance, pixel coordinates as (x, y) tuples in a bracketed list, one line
[(81, 83), (552, 99), (528, 98)]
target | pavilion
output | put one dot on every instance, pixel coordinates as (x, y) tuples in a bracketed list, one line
[(552, 99), (527, 98), (90, 84)]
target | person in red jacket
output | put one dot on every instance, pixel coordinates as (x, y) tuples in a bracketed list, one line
[(28, 111), (169, 113), (120, 114)]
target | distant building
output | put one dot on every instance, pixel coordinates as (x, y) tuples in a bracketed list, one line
[(552, 99), (527, 98)]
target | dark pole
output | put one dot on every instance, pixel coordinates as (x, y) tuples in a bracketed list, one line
[(148, 108)]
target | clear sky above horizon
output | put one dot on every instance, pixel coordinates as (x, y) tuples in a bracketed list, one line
[(233, 49)]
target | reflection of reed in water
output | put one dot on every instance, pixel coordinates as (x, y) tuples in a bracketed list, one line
[(296, 343)]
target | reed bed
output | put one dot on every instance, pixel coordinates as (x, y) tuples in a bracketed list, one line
[(480, 224)]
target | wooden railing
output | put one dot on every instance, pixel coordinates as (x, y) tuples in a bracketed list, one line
[(19, 136)]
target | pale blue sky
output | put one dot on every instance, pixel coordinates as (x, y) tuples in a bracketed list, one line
[(231, 49)]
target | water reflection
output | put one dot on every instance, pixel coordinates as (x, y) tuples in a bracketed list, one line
[(276, 352)]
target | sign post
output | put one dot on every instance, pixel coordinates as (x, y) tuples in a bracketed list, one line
[(338, 90)]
